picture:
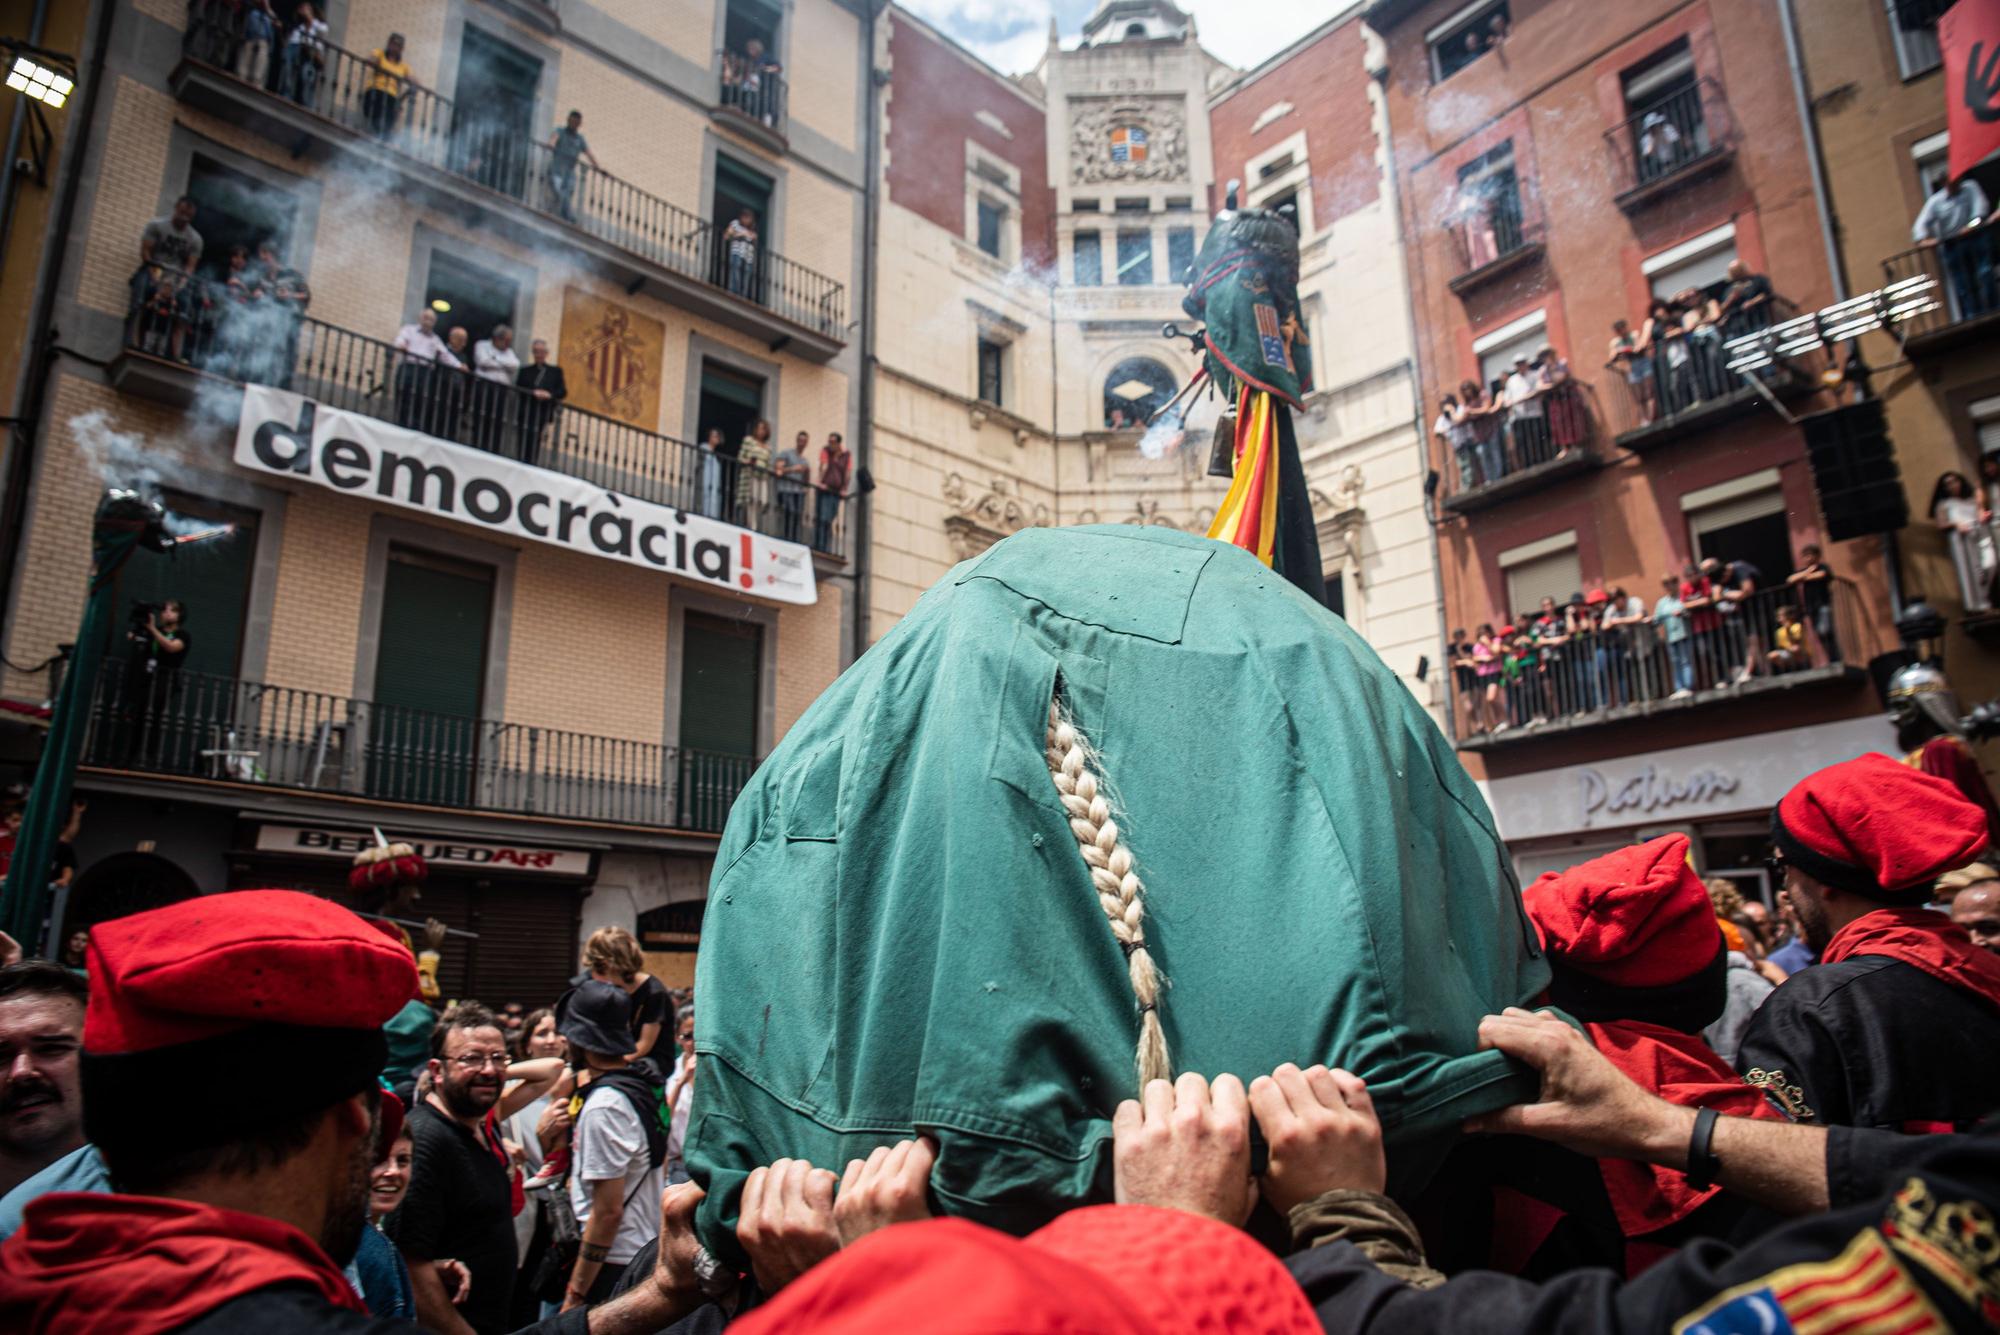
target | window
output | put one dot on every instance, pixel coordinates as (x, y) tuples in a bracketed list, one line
[(1742, 520), (1180, 204), (740, 188), (1089, 259), (1913, 25), (730, 401), (1701, 263), (466, 296), (1135, 259), (1537, 570), (1180, 253), (493, 111), (430, 677), (233, 209), (991, 216), (1933, 159), (1466, 36), (1487, 212), (1136, 389), (721, 665), (1277, 166), (992, 361), (211, 578), (1336, 593), (1498, 348), (1286, 203), (1664, 113), (1084, 206), (1986, 425), (1133, 206)]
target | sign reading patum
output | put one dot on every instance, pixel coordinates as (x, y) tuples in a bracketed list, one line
[(1128, 139), (1650, 792)]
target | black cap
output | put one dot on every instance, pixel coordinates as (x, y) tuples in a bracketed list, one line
[(596, 1017)]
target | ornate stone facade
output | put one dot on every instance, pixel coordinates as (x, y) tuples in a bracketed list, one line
[(1158, 152)]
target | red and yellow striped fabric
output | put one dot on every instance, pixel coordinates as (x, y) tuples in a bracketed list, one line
[(1249, 514)]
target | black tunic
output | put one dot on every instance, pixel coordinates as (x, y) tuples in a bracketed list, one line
[(1898, 1246), (1872, 1041)]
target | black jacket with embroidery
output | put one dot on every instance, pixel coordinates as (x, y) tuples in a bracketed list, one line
[(1874, 1042), (1918, 1255)]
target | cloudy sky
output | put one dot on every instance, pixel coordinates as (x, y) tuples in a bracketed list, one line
[(1010, 34)]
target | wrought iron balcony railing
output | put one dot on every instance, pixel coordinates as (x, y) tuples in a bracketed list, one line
[(1785, 636), (1682, 378), (1951, 287), (1675, 137), (1494, 234), (190, 724), (418, 123), (1500, 451), (751, 95), (224, 330)]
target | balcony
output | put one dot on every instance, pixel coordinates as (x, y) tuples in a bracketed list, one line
[(1669, 144), (252, 736), (1686, 385), (185, 331), (454, 161), (1948, 294), (750, 99), (1508, 457), (1600, 677), (1494, 242)]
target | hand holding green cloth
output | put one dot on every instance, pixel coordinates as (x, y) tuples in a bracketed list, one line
[(902, 936)]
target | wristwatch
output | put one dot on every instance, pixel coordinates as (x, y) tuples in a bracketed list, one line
[(1702, 1165)]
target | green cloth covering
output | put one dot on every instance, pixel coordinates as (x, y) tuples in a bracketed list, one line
[(409, 1034), (1245, 285), (901, 934)]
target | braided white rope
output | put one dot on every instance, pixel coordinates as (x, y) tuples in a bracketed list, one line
[(1119, 891)]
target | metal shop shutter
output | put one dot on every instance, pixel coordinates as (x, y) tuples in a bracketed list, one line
[(527, 947)]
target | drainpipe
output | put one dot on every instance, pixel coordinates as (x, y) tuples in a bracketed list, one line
[(11, 190), (860, 506), (40, 342)]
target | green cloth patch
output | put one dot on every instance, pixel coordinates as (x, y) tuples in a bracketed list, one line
[(901, 935)]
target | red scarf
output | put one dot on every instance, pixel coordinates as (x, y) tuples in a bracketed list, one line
[(1683, 1070), (144, 1265), (1924, 939)]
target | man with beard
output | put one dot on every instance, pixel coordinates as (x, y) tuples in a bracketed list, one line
[(1884, 1030), (41, 1029), (462, 1197), (235, 1211)]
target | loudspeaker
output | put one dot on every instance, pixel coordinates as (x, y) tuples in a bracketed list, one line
[(1854, 471)]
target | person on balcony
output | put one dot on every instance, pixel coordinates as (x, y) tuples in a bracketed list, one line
[(303, 59), (1527, 415), (1814, 581), (260, 29), (1628, 638), (1953, 211), (566, 146), (1701, 319), (753, 462), (1481, 417), (1698, 600), (452, 387), (388, 87), (741, 238), (749, 74), (1567, 424), (160, 642), (1660, 143), (290, 294), (495, 367), (708, 479), (546, 389), (834, 465), (1665, 338), (1629, 357), (422, 354), (1670, 615), (794, 474), (1955, 510), (1735, 584), (1457, 441), (164, 289), (1746, 302)]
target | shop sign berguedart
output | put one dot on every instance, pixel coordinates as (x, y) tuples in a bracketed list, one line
[(292, 436), (443, 854)]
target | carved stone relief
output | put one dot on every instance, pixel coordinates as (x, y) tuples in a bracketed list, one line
[(985, 517), (1103, 145)]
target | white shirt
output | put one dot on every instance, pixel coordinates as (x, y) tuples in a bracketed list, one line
[(611, 1143), (496, 364), (520, 1129), (1521, 399), (425, 346)]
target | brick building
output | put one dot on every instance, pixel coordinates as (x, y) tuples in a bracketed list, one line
[(431, 614), (1034, 233), (1559, 167)]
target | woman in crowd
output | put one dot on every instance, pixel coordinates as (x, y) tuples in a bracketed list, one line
[(1487, 651), (537, 1127), (1629, 358), (1955, 510), (1665, 340)]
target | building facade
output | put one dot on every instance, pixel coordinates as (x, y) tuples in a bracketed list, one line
[(1884, 142), (1035, 233), (1560, 168), (539, 632)]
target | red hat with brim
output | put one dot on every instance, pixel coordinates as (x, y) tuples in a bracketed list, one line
[(1878, 828), (1108, 1269), (281, 995)]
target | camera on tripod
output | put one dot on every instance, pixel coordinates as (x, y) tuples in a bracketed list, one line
[(135, 620)]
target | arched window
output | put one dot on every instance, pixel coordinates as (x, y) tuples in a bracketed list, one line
[(1134, 391), (1135, 30)]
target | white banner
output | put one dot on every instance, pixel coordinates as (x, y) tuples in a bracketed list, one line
[(293, 436), (320, 842)]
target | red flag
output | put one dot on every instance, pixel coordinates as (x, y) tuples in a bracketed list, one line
[(1969, 32)]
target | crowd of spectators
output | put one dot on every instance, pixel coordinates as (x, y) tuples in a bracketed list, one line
[(1533, 415), (1676, 360), (1964, 513), (1714, 625)]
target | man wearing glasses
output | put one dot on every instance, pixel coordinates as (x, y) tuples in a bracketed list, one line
[(460, 1199), (1894, 1026)]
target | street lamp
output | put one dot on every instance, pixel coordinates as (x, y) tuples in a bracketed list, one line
[(45, 79)]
